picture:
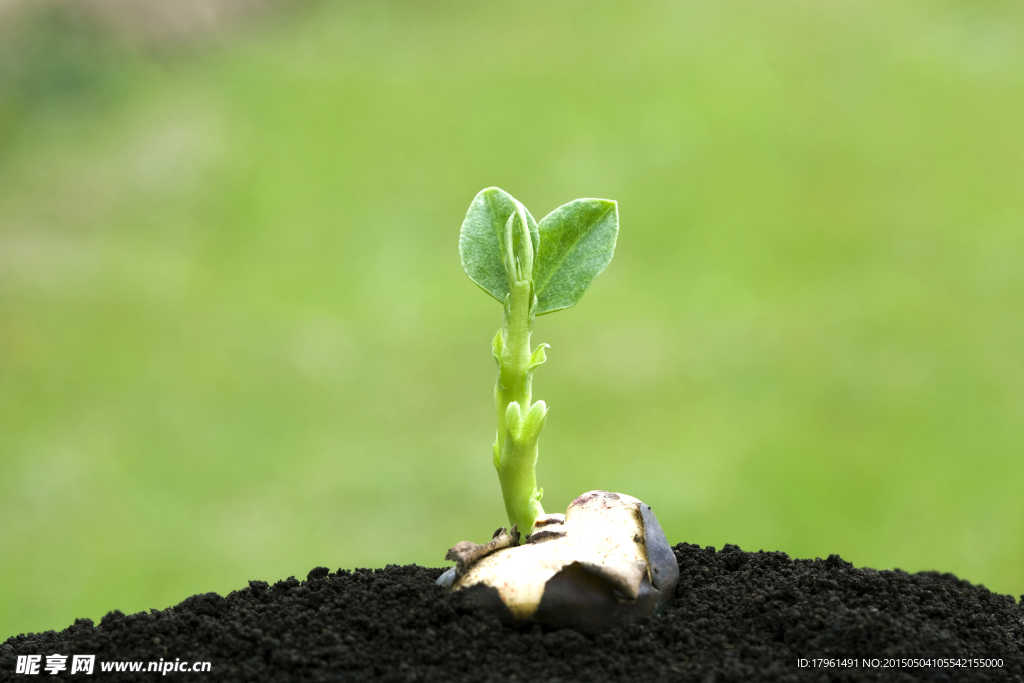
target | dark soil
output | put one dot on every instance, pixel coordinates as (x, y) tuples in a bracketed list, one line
[(737, 616)]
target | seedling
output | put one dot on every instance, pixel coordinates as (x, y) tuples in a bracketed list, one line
[(533, 269), (606, 561)]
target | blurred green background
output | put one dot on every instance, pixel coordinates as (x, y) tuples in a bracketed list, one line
[(236, 341)]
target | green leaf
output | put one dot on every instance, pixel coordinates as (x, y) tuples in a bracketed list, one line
[(513, 420), (496, 346), (577, 241), (482, 239), (538, 357), (533, 422)]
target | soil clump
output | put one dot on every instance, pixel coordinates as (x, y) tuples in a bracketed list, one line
[(737, 616)]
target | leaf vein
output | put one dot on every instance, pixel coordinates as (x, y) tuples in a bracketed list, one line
[(566, 253)]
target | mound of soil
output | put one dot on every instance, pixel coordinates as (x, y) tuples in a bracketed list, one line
[(737, 616)]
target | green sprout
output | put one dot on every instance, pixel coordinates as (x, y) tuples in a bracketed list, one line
[(532, 268)]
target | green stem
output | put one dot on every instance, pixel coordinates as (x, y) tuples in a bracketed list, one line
[(519, 421)]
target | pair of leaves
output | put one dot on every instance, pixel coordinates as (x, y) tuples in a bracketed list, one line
[(571, 246)]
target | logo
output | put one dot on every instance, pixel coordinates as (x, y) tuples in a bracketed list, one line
[(30, 664)]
